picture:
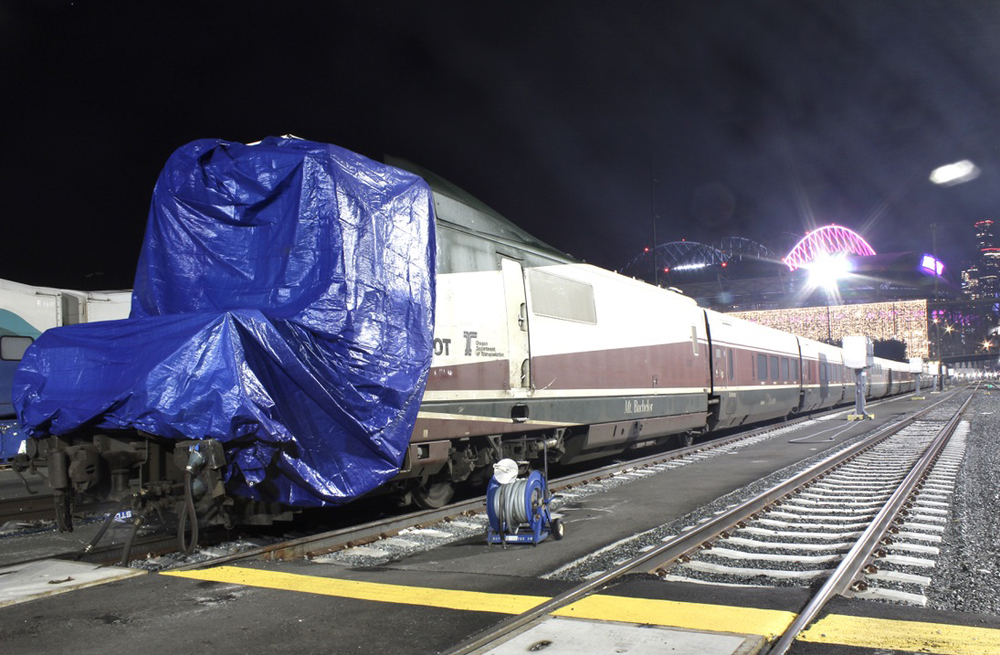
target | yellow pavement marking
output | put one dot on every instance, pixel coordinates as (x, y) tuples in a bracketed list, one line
[(903, 635), (376, 591), (694, 616), (834, 629)]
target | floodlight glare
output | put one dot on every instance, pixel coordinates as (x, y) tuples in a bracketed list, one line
[(931, 265), (951, 174), (827, 270)]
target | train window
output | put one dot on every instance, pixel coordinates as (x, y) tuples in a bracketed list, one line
[(761, 367), (730, 363), (795, 370), (774, 368), (558, 297), (784, 369), (12, 347)]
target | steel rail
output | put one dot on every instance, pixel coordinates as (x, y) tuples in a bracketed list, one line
[(26, 508), (331, 541), (691, 540), (861, 553), (327, 542)]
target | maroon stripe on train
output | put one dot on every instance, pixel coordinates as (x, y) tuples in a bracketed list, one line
[(480, 376), (644, 367)]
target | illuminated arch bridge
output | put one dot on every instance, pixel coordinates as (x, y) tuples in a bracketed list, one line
[(829, 240), (691, 255)]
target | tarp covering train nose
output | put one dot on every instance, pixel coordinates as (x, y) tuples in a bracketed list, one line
[(283, 304)]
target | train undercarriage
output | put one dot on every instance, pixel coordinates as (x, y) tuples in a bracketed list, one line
[(183, 483)]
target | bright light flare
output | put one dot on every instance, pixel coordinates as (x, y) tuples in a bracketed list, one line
[(952, 174), (931, 265), (827, 270)]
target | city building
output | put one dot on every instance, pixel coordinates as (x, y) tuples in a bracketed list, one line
[(834, 284)]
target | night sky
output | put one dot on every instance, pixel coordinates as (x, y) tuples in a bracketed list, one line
[(577, 121)]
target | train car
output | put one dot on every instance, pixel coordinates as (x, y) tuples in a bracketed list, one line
[(532, 351), (878, 379), (755, 372), (533, 354), (824, 383), (533, 346), (908, 381), (25, 313)]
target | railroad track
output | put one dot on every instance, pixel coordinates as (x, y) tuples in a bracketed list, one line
[(845, 570), (27, 508), (805, 536), (460, 514), (333, 541)]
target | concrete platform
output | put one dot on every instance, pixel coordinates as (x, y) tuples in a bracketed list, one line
[(557, 636), (51, 577)]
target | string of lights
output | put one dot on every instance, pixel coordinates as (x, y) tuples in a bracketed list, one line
[(905, 321)]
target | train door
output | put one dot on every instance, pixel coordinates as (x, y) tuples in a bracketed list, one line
[(517, 324), (722, 368)]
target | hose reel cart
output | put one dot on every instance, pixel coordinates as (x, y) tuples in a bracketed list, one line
[(518, 508)]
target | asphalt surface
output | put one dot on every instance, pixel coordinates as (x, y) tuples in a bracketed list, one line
[(332, 605)]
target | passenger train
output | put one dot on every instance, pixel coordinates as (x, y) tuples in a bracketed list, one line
[(27, 311), (533, 346), (538, 353)]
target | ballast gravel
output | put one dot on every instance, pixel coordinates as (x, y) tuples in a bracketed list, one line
[(615, 554), (968, 569)]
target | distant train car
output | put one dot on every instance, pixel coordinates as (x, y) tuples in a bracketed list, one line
[(824, 382), (755, 372), (27, 311)]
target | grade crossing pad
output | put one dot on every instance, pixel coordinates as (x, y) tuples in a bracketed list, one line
[(918, 636), (565, 636), (20, 583)]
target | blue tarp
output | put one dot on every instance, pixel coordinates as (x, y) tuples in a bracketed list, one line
[(283, 304)]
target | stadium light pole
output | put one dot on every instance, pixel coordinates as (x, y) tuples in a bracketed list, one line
[(652, 202)]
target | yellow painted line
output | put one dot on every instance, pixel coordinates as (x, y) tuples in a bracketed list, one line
[(903, 635), (384, 593), (694, 616), (834, 629)]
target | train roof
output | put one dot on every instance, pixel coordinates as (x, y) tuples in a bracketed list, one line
[(459, 208)]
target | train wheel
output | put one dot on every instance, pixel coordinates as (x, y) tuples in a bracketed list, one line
[(685, 439), (433, 494)]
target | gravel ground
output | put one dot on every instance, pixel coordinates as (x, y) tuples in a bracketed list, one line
[(968, 569), (615, 553)]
